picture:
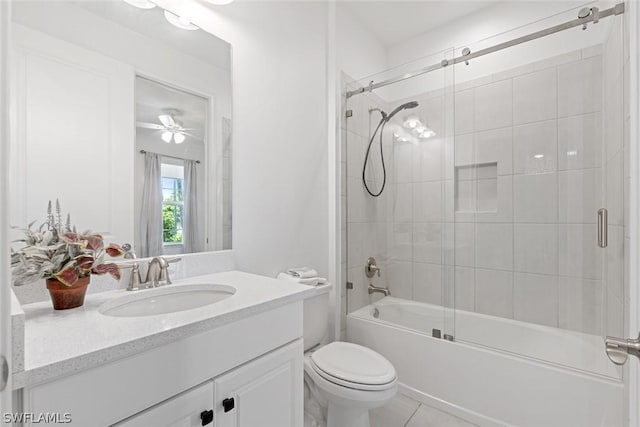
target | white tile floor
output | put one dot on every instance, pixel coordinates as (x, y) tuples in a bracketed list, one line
[(403, 411)]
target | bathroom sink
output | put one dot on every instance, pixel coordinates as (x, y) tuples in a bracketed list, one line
[(168, 299)]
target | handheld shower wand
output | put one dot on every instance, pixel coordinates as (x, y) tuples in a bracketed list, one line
[(383, 121), (405, 106)]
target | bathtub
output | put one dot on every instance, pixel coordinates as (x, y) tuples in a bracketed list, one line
[(498, 371)]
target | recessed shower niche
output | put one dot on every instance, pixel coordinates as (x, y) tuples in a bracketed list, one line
[(476, 188)]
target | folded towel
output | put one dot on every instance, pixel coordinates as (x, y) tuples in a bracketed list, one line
[(309, 281), (303, 272)]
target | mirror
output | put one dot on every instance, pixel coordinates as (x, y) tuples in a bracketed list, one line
[(126, 119)]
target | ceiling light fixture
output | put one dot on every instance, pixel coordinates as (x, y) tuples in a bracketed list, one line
[(141, 4), (178, 138), (417, 128), (427, 133), (181, 22), (412, 122), (167, 136), (166, 120)]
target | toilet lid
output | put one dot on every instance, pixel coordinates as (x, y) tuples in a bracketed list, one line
[(354, 363)]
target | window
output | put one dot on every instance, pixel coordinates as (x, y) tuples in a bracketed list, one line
[(172, 203)]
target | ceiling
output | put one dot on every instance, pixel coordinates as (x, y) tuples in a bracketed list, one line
[(153, 99), (393, 21)]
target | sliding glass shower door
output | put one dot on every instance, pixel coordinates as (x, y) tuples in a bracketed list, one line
[(539, 164), (401, 215)]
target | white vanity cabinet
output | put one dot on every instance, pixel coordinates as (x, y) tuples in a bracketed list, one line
[(249, 371), (266, 392)]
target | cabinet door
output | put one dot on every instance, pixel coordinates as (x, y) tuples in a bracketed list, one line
[(266, 392), (189, 409)]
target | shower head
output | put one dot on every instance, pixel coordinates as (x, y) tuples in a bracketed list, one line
[(405, 106)]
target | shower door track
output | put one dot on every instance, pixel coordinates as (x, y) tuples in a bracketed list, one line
[(467, 56)]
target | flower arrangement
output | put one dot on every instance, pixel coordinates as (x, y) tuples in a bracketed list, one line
[(57, 251)]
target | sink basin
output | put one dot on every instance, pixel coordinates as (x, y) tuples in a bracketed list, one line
[(168, 299)]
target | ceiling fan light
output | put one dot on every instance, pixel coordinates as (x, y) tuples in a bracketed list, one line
[(179, 138), (141, 4), (179, 21), (166, 120), (166, 136)]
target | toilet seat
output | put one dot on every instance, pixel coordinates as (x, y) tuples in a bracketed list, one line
[(353, 366)]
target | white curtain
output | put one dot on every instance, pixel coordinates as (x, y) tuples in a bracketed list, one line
[(191, 235), (151, 209)]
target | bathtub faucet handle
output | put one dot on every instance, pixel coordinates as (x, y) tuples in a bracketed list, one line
[(371, 268)]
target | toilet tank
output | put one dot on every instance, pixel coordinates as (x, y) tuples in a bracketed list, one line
[(316, 317)]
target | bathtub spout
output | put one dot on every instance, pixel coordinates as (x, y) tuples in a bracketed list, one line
[(381, 289)]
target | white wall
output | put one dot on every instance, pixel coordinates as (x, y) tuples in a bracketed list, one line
[(280, 179), (5, 291), (358, 52)]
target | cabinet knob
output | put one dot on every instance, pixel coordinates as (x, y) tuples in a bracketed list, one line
[(228, 404), (206, 417)]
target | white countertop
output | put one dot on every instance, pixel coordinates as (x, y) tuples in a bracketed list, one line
[(60, 343)]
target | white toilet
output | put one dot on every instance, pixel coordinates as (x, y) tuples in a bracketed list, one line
[(343, 380)]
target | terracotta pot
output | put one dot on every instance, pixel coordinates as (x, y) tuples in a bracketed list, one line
[(64, 297)]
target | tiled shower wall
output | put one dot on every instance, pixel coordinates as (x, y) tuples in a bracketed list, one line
[(419, 205)]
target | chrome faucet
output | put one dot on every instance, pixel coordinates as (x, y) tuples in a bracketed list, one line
[(135, 282), (380, 289), (158, 271), (371, 269)]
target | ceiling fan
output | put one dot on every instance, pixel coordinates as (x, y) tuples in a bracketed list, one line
[(171, 129)]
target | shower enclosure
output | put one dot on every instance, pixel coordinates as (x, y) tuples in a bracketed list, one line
[(503, 224)]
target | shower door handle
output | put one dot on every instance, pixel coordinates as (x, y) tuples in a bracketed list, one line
[(603, 225), (619, 349)]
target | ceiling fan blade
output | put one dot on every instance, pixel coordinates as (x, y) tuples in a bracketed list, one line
[(149, 126), (167, 120)]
